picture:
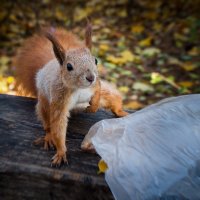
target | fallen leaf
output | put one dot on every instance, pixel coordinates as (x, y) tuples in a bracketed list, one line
[(137, 29), (150, 52), (80, 13), (104, 47), (144, 87), (113, 59), (97, 21), (110, 65), (106, 30), (150, 15), (4, 60), (194, 52), (127, 56), (126, 72), (10, 79), (102, 166), (122, 13), (133, 105), (145, 42), (186, 84), (157, 27), (188, 66), (123, 89), (178, 36), (174, 61), (121, 43), (155, 78), (170, 27), (59, 14)]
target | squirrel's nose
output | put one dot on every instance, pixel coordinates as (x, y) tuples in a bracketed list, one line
[(90, 78)]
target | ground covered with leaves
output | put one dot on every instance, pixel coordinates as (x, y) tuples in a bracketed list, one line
[(149, 49)]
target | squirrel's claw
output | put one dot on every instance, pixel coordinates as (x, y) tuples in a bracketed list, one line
[(58, 158), (46, 140), (38, 141), (48, 145), (91, 109)]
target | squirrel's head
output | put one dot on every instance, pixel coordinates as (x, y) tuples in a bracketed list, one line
[(78, 66)]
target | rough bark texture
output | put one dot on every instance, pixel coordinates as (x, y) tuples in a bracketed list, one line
[(25, 171)]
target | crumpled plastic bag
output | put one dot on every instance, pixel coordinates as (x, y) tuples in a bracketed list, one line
[(153, 153)]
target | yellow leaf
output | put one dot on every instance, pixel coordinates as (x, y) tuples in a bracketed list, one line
[(127, 56), (113, 59), (80, 13), (123, 89), (4, 60), (10, 79), (104, 47), (150, 15), (97, 21), (146, 42), (106, 30), (188, 66), (194, 51), (186, 84), (102, 166), (122, 13), (157, 27), (59, 14), (134, 105), (137, 60), (178, 36), (155, 4), (137, 29)]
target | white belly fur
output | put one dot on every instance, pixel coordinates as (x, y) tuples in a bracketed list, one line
[(81, 96)]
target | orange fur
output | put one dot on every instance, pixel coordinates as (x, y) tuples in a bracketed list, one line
[(43, 113), (59, 121), (113, 102)]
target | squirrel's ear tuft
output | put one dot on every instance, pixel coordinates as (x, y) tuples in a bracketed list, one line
[(57, 48), (88, 34)]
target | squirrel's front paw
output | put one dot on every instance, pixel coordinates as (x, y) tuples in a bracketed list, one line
[(58, 158), (46, 140), (88, 147), (91, 109)]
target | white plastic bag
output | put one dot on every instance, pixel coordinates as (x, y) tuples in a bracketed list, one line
[(154, 152)]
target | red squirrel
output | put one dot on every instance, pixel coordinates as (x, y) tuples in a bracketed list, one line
[(59, 69)]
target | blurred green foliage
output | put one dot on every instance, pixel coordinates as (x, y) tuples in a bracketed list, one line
[(149, 49)]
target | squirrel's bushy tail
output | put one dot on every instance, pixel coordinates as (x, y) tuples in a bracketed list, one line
[(34, 54)]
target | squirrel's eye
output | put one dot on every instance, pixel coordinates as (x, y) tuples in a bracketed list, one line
[(69, 67), (96, 61)]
